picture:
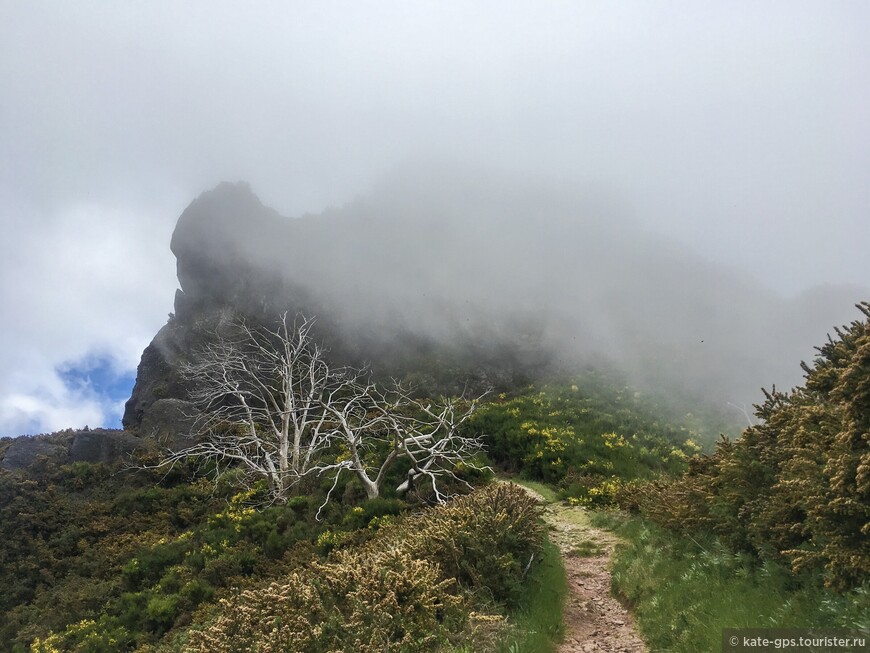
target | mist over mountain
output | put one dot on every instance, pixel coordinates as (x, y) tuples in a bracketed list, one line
[(497, 277)]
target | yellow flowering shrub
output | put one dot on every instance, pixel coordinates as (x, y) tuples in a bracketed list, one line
[(405, 590), (367, 602), (85, 636)]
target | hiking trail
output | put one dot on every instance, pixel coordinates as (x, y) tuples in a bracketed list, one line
[(594, 620)]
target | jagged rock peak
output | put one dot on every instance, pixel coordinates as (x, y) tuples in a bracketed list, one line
[(218, 241), (217, 217)]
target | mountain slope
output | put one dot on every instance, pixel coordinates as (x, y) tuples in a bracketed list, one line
[(493, 280)]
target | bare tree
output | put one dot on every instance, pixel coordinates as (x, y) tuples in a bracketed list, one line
[(374, 429), (272, 407), (260, 393)]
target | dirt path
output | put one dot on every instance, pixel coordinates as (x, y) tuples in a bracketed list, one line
[(594, 620)]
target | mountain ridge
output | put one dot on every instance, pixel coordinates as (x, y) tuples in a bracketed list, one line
[(512, 280)]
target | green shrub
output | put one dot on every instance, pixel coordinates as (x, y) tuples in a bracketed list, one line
[(131, 610), (360, 516), (160, 612), (684, 591), (195, 592), (150, 564), (796, 487), (402, 590), (86, 636), (484, 540)]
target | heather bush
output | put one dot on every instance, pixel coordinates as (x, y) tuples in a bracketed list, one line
[(410, 588), (366, 601), (389, 601), (484, 540), (796, 487), (284, 616)]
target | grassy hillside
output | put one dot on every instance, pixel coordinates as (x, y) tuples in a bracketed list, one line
[(101, 558), (770, 530), (590, 435)]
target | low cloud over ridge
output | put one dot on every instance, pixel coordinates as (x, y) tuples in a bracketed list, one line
[(740, 133)]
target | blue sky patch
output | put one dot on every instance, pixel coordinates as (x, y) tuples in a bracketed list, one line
[(98, 377)]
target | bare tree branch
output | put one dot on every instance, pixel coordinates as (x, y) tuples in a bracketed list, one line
[(272, 407)]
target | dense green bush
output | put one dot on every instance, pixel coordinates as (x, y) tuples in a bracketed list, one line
[(409, 588), (684, 590), (361, 516), (69, 530), (129, 548), (796, 487), (584, 435)]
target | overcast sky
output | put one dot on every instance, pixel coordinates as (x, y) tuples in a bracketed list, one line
[(740, 128)]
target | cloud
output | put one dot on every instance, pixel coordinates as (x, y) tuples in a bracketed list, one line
[(739, 131), (83, 283), (51, 407)]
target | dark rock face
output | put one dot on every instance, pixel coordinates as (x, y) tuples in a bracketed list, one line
[(24, 451), (157, 376), (103, 446), (107, 446), (170, 422), (215, 241)]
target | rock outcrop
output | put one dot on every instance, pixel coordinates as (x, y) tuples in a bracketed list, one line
[(108, 446), (455, 279), (236, 256)]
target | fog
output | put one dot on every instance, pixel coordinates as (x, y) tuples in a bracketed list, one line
[(731, 134), (501, 277)]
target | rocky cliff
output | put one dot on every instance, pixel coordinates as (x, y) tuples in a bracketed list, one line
[(444, 279), (236, 256), (107, 446)]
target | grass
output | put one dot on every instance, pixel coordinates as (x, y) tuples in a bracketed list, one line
[(585, 548), (538, 626), (543, 489), (684, 591)]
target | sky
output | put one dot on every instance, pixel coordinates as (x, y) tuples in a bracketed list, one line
[(737, 128)]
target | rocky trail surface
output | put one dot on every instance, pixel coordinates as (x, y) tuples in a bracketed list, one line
[(594, 620)]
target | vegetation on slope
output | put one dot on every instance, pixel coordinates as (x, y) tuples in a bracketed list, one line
[(97, 555), (588, 436), (684, 590), (414, 586), (67, 532), (106, 560), (772, 529), (795, 489), (97, 560)]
